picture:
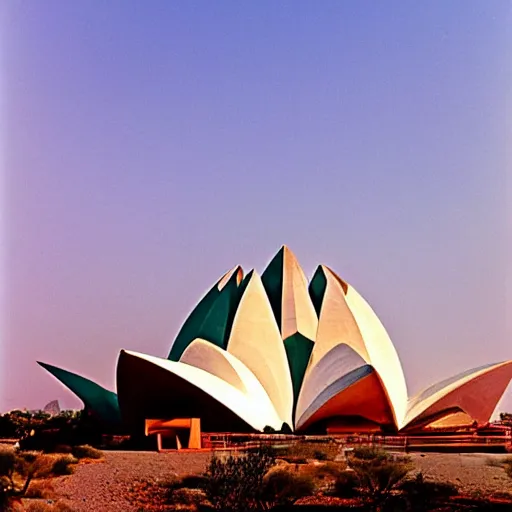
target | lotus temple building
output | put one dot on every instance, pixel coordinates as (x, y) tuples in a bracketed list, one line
[(274, 352)]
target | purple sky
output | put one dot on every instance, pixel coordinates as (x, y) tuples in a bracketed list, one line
[(150, 146)]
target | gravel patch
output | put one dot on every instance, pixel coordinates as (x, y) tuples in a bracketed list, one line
[(470, 472), (110, 485), (106, 485)]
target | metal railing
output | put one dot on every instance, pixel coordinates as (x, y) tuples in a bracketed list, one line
[(241, 442)]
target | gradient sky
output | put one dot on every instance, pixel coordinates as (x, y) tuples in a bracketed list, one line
[(150, 146)]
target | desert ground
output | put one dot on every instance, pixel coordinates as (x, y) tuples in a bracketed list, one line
[(111, 485)]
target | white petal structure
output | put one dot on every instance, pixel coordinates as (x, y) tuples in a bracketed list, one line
[(255, 340), (298, 314), (346, 320), (475, 392), (339, 347), (227, 276), (276, 352), (339, 370), (336, 323), (225, 366), (209, 387), (381, 352)]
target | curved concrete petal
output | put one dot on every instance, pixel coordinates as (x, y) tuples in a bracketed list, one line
[(336, 323), (476, 392), (255, 341), (194, 325), (100, 401), (153, 387), (298, 313), (338, 362), (210, 358), (382, 353), (358, 393), (287, 290)]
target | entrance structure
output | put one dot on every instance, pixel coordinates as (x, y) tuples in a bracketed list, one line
[(177, 430), (277, 353)]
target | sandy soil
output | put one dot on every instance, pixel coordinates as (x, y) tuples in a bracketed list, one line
[(108, 486), (470, 472)]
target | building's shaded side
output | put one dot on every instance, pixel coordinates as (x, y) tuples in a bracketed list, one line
[(148, 391)]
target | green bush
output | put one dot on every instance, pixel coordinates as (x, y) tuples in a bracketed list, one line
[(63, 465), (236, 484), (283, 487), (86, 452)]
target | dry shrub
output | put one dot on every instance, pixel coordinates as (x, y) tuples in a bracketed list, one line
[(346, 485), (33, 464), (498, 462), (48, 506), (63, 465), (324, 475), (186, 490), (190, 498), (86, 452), (235, 484), (508, 467), (422, 495), (302, 451), (378, 473), (502, 495), (42, 489), (192, 482), (328, 470), (283, 487)]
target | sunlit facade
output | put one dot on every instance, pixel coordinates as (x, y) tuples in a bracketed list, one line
[(278, 353)]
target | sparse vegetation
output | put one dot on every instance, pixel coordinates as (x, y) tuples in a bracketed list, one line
[(421, 495), (303, 451), (42, 506), (63, 465), (17, 471), (19, 424), (41, 489), (346, 485), (283, 487), (86, 452), (378, 473), (506, 418), (508, 467), (236, 484)]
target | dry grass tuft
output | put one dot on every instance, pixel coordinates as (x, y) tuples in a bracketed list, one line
[(42, 489), (303, 451), (48, 506)]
